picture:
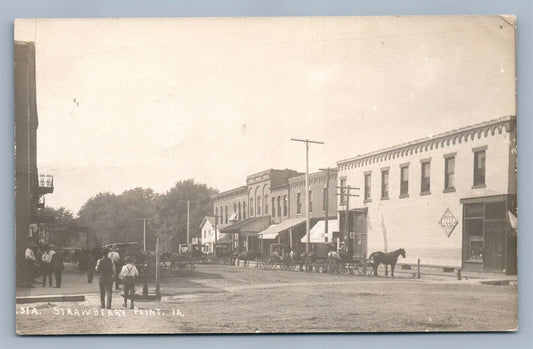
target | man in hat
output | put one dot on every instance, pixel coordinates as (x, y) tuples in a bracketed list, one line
[(46, 265), (115, 257), (106, 268), (128, 274), (58, 265), (31, 263)]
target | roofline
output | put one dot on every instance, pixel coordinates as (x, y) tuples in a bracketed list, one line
[(231, 191), (438, 140), (311, 175)]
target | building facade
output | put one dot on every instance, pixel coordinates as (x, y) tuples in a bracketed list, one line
[(30, 187), (444, 199)]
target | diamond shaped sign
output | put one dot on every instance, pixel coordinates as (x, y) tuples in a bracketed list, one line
[(448, 222)]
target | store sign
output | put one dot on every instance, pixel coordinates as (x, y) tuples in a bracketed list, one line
[(448, 222)]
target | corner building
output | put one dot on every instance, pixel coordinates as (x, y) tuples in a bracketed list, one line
[(445, 199)]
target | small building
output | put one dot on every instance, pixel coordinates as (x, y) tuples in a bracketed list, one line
[(207, 231), (445, 199)]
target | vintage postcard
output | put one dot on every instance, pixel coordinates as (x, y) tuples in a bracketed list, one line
[(266, 175)]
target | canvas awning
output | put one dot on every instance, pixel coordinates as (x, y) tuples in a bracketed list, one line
[(318, 232), (249, 227), (273, 231)]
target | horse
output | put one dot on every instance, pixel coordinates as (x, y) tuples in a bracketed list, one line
[(390, 258), (246, 256), (308, 258)]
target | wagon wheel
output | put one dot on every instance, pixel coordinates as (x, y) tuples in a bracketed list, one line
[(268, 264), (286, 264)]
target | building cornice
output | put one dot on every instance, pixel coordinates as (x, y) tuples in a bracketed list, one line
[(464, 134), (230, 193)]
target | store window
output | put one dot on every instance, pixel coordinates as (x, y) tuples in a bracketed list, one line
[(485, 233)]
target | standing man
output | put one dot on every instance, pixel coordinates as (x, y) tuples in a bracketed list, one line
[(115, 257), (129, 273), (31, 265), (106, 268), (91, 264), (46, 265), (58, 266)]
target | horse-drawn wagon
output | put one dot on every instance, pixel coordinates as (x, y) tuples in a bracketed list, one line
[(280, 257), (176, 264)]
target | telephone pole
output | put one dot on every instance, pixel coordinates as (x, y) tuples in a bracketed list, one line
[(307, 141)]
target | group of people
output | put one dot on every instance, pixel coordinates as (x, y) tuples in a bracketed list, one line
[(112, 269), (45, 260)]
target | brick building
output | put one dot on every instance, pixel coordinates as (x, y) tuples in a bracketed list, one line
[(445, 198)]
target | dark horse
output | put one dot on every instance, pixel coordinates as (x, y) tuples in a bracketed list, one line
[(390, 258), (247, 256)]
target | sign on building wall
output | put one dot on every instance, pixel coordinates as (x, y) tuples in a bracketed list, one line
[(448, 222)]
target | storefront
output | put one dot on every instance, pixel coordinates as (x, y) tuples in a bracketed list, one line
[(489, 243)]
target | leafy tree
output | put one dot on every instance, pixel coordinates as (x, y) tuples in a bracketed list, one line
[(58, 226), (171, 212)]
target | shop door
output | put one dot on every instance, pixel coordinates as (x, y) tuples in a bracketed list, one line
[(494, 254), (359, 236)]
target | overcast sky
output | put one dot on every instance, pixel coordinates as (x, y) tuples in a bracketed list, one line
[(147, 102)]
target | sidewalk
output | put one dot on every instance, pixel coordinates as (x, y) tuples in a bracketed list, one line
[(74, 281)]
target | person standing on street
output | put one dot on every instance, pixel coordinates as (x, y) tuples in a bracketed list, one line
[(106, 268), (91, 264), (46, 266), (31, 265), (128, 274), (115, 257), (57, 266)]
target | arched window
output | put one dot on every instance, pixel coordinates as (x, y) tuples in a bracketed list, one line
[(251, 207), (258, 204)]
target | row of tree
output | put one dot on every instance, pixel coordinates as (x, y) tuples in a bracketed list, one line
[(109, 218)]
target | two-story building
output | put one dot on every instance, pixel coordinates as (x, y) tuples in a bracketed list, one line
[(445, 199)]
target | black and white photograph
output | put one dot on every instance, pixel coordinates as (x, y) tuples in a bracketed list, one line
[(238, 175)]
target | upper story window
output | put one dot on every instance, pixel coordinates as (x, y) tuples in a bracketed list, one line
[(279, 206), (225, 214), (285, 204), (404, 181), (299, 203), (425, 182), (240, 216), (368, 186), (343, 194), (266, 204), (244, 210), (273, 206), (479, 167), (384, 184), (449, 173), (258, 205), (251, 207), (310, 201)]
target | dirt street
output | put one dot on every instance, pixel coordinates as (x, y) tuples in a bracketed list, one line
[(222, 299)]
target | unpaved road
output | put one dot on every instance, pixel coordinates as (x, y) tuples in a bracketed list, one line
[(225, 299)]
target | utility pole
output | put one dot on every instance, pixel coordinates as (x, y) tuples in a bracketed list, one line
[(326, 204), (347, 194), (144, 233), (307, 141)]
